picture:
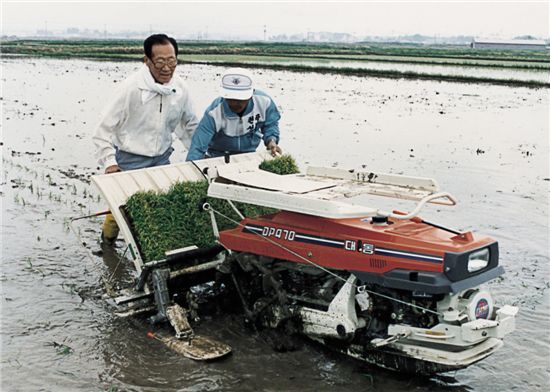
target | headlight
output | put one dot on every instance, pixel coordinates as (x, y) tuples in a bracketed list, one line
[(478, 260)]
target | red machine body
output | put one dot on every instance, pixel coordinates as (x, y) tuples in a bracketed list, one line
[(354, 244)]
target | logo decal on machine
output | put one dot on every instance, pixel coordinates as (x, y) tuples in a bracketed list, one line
[(349, 245), (291, 235)]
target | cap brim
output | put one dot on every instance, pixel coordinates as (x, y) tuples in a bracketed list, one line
[(237, 94)]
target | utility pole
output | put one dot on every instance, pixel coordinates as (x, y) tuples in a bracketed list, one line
[(265, 32)]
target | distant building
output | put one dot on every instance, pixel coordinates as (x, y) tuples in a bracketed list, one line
[(517, 44)]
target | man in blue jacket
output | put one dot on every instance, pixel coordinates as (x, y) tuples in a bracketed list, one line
[(237, 121)]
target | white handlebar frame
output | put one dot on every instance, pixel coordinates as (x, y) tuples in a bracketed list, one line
[(441, 195)]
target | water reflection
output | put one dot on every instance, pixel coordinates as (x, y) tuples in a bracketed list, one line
[(481, 72)]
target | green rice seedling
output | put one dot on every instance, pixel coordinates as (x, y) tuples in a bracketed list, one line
[(60, 348), (174, 219), (66, 225), (30, 267), (171, 220), (64, 350), (370, 378), (69, 288), (16, 361), (284, 164)]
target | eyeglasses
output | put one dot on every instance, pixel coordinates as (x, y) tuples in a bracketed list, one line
[(160, 63)]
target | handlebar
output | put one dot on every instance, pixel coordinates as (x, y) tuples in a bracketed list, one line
[(441, 195)]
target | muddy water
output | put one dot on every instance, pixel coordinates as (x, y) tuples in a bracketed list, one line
[(488, 145)]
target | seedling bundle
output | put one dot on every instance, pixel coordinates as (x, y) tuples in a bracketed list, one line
[(284, 164), (173, 219)]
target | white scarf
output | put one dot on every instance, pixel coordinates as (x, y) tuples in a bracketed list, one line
[(152, 88)]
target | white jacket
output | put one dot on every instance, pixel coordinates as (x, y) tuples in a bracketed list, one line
[(141, 121)]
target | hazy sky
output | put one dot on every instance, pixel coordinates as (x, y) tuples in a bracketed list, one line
[(504, 19)]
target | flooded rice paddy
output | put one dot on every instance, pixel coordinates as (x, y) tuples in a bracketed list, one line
[(540, 75), (487, 145)]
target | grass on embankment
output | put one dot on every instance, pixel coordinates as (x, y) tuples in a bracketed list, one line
[(279, 56)]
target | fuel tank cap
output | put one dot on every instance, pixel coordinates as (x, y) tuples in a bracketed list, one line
[(379, 220)]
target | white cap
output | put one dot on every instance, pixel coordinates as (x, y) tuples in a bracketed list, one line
[(237, 84)]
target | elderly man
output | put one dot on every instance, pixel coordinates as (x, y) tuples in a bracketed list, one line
[(237, 121), (137, 127)]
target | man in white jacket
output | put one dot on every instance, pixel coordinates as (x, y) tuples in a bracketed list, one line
[(150, 106), (136, 128)]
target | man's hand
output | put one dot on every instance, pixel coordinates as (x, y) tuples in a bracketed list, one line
[(274, 148), (112, 169)]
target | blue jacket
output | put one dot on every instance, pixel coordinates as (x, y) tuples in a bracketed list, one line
[(222, 130)]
